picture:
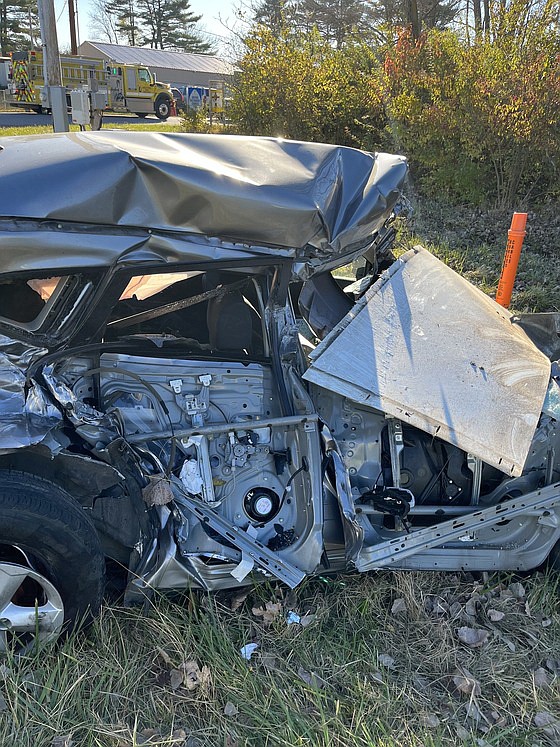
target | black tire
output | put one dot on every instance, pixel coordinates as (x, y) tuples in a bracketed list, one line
[(162, 107), (58, 538)]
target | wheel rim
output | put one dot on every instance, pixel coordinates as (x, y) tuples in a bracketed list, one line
[(31, 609), (164, 109)]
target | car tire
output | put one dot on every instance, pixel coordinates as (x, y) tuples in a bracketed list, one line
[(162, 107), (52, 566)]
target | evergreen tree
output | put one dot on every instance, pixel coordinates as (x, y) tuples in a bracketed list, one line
[(125, 16), (170, 24), (19, 25), (276, 15), (336, 20)]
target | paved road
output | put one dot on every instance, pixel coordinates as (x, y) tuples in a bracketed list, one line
[(25, 119)]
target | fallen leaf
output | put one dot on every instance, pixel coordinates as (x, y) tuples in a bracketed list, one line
[(541, 677), (377, 677), (269, 612), (473, 714), (398, 606), (553, 665), (248, 650), (311, 679), (496, 615), (307, 620), (148, 736), (496, 718), (462, 733), (179, 738), (238, 599), (430, 720), (473, 637), (193, 676), (386, 661), (473, 605), (548, 723), (62, 741), (518, 590), (175, 678), (158, 491), (466, 683), (230, 709), (456, 610)]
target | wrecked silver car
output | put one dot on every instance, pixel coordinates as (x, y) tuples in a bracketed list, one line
[(160, 406)]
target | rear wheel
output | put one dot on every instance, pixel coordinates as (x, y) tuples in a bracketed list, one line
[(162, 107), (52, 567)]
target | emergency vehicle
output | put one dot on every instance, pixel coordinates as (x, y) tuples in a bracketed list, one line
[(128, 88)]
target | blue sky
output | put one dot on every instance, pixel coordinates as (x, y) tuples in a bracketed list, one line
[(211, 11)]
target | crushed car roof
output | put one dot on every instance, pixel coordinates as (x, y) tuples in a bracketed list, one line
[(312, 199)]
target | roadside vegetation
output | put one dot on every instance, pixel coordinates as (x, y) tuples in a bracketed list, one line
[(384, 660)]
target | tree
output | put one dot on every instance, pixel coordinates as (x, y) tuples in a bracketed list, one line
[(417, 14), (160, 24), (336, 20), (19, 25), (103, 24), (276, 15), (304, 88), (480, 119), (126, 14), (170, 24)]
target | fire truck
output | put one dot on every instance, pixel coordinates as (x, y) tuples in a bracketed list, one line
[(127, 88)]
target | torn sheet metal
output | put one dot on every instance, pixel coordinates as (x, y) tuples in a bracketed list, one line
[(427, 347), (320, 200), (25, 413)]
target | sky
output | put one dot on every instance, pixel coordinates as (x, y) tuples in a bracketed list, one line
[(210, 10)]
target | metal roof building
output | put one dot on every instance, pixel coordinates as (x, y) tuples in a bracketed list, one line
[(169, 67)]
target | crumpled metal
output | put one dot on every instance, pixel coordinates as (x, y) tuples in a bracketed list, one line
[(315, 200), (26, 414)]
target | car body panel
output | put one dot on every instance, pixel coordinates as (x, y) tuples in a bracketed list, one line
[(315, 200), (425, 346)]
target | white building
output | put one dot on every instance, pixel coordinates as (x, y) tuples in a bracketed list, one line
[(169, 67)]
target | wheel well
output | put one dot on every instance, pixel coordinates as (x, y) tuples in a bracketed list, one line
[(98, 487)]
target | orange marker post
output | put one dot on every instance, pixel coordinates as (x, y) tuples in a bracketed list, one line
[(516, 234)]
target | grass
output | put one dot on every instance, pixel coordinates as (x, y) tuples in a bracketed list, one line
[(358, 675), (472, 242), (42, 129)]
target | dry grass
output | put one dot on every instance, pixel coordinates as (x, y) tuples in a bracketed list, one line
[(472, 242), (360, 673)]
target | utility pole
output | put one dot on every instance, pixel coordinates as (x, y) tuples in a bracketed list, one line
[(55, 91), (72, 14)]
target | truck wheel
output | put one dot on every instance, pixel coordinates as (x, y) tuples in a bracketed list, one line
[(162, 107), (52, 568)]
